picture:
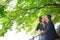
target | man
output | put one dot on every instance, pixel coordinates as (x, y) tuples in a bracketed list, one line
[(50, 32)]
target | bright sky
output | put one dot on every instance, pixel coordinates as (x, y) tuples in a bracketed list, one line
[(11, 5), (12, 35)]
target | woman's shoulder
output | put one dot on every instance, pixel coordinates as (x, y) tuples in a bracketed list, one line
[(39, 23)]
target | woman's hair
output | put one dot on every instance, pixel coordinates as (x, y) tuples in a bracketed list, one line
[(40, 18)]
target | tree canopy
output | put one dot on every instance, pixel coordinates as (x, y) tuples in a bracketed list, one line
[(26, 13)]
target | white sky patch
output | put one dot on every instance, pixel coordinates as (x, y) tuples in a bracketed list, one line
[(56, 25), (0, 26), (26, 14), (12, 35), (57, 2), (14, 27), (11, 5), (20, 16), (28, 11)]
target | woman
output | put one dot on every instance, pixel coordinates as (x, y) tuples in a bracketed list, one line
[(41, 27)]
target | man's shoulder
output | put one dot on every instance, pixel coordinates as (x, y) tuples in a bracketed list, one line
[(50, 22)]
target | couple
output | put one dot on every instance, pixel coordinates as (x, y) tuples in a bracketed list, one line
[(45, 28)]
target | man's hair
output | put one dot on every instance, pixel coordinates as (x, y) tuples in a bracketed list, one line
[(48, 16), (40, 18)]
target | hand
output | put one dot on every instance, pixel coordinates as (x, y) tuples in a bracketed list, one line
[(42, 31), (39, 32)]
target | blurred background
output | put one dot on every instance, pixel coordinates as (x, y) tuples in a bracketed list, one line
[(19, 18)]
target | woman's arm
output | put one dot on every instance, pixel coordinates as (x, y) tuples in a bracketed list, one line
[(40, 31)]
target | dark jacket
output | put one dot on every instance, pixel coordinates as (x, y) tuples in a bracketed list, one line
[(50, 31), (39, 26)]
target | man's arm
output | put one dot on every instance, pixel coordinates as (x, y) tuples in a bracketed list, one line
[(48, 27)]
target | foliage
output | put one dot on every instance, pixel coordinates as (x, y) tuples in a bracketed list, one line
[(26, 13)]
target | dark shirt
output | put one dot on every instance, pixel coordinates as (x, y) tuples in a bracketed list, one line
[(39, 26)]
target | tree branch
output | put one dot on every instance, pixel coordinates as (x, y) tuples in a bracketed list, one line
[(47, 5)]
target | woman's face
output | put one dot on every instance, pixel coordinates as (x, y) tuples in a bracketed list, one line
[(43, 19)]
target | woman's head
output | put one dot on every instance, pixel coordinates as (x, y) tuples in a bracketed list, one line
[(41, 19)]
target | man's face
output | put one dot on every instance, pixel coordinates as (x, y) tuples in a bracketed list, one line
[(46, 18)]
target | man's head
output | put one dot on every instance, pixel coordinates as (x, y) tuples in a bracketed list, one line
[(48, 17)]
